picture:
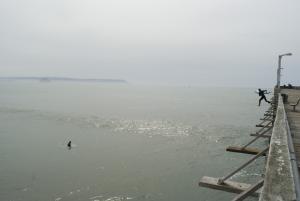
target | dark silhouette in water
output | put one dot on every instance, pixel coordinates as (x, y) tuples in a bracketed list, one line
[(262, 93), (69, 145)]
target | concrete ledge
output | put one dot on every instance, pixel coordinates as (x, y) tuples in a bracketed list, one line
[(279, 183)]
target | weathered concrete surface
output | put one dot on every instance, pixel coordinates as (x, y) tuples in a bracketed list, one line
[(279, 183), (293, 117)]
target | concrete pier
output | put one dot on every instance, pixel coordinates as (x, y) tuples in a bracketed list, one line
[(282, 171), (279, 177)]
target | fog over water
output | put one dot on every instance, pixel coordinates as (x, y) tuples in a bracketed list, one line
[(190, 42)]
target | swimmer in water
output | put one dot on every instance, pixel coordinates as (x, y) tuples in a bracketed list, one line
[(69, 145)]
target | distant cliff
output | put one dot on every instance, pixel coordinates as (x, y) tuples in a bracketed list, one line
[(67, 79)]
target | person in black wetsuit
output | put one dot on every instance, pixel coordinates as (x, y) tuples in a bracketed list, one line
[(262, 93), (69, 145)]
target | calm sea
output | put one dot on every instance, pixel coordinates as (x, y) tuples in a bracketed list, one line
[(129, 142)]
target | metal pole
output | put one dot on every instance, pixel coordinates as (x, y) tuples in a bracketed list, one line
[(279, 71), (279, 67)]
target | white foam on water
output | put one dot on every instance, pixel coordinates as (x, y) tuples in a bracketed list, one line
[(116, 198), (94, 197)]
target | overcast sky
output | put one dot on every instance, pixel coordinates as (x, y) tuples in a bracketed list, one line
[(181, 42)]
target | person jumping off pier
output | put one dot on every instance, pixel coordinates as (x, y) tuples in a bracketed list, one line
[(262, 93)]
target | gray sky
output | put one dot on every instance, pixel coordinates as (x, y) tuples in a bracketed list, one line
[(182, 42)]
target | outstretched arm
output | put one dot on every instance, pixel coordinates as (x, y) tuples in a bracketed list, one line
[(267, 92)]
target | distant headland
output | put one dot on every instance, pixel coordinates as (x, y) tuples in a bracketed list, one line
[(66, 79)]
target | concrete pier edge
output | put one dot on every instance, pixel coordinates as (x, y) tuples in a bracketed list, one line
[(279, 182)]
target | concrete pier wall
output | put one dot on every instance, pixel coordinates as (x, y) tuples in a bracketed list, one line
[(279, 182)]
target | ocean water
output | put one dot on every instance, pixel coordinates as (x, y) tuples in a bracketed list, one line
[(129, 142)]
